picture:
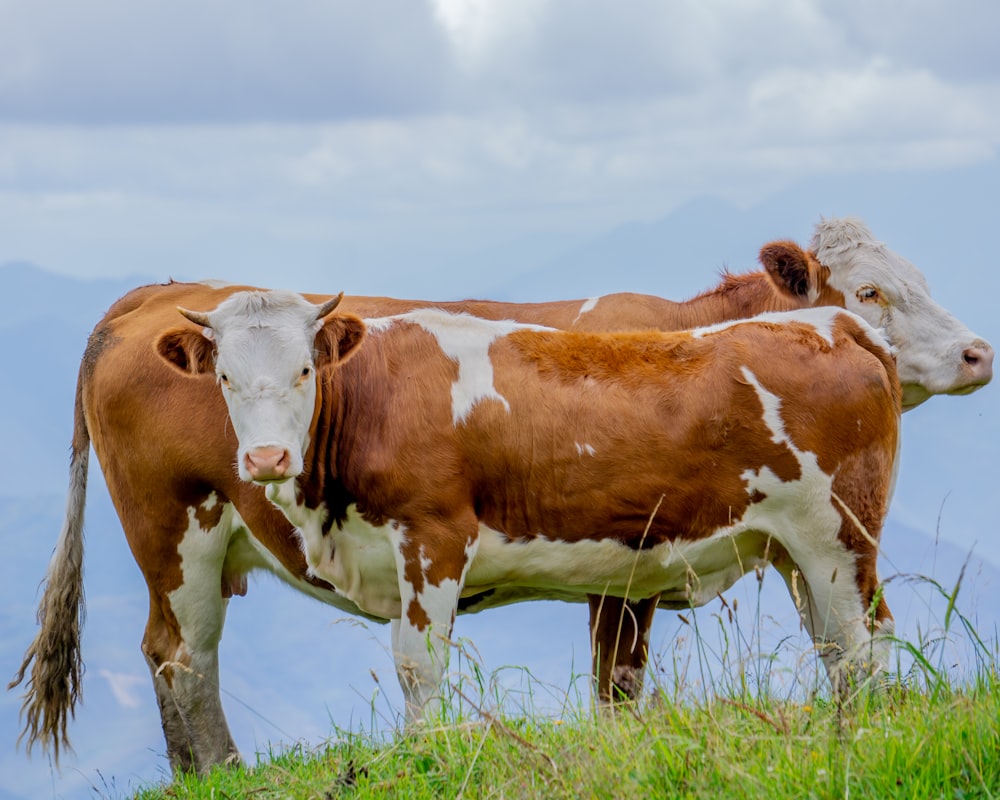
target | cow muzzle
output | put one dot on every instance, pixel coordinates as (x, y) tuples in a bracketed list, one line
[(977, 363), (268, 464)]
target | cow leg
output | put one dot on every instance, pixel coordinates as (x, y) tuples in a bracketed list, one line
[(183, 631), (180, 750), (834, 594), (430, 584), (619, 643)]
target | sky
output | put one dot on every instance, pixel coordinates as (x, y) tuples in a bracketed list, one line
[(194, 140), (390, 146)]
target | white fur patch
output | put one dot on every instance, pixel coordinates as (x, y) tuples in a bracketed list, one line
[(197, 603), (822, 320), (587, 449), (466, 340), (802, 516), (588, 305), (354, 557)]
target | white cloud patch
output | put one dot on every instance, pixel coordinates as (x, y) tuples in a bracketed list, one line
[(479, 30), (126, 687)]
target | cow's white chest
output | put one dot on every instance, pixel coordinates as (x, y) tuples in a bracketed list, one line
[(357, 558)]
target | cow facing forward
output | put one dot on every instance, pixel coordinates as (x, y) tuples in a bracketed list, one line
[(451, 457), (167, 455)]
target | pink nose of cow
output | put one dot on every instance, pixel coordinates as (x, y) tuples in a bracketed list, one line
[(267, 463), (978, 361)]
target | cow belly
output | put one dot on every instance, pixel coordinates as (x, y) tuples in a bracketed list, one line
[(543, 568)]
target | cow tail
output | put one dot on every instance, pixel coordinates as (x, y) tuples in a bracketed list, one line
[(54, 658)]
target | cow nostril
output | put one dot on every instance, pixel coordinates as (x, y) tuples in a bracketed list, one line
[(979, 360)]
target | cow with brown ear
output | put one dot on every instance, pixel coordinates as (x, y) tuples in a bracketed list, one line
[(167, 453), (334, 339)]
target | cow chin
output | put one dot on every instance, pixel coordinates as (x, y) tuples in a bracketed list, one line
[(916, 393), (913, 395)]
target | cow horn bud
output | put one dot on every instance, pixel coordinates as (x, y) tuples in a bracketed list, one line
[(329, 306), (197, 317)]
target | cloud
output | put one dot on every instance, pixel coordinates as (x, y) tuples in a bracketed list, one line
[(480, 31), (175, 136), (184, 62), (123, 687), (116, 62)]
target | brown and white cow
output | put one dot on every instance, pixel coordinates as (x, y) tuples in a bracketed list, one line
[(452, 457), (166, 452)]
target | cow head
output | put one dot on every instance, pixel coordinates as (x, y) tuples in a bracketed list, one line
[(846, 266), (266, 349)]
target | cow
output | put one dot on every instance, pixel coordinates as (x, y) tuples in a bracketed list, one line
[(154, 444), (452, 458)]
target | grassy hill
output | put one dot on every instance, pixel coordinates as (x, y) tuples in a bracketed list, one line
[(930, 741), (918, 732)]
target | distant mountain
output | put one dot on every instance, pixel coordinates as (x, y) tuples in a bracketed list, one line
[(936, 220), (42, 295), (47, 320)]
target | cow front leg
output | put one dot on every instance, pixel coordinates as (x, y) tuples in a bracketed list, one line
[(838, 599), (619, 644), (431, 562)]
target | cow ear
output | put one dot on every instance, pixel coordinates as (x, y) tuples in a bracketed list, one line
[(186, 350), (791, 269), (339, 338)]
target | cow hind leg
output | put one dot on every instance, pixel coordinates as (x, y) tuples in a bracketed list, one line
[(187, 610), (183, 663), (619, 642), (180, 748)]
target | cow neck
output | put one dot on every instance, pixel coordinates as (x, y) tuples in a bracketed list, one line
[(736, 297), (346, 421), (319, 479)]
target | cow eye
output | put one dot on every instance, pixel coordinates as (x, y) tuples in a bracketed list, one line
[(223, 379), (305, 374), (868, 294)]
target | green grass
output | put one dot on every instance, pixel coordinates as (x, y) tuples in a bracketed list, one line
[(912, 746), (718, 722)]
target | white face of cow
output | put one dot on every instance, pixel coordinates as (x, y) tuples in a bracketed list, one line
[(265, 344), (935, 353)]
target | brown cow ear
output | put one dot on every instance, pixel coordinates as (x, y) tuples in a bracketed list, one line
[(790, 269), (339, 338), (186, 350)]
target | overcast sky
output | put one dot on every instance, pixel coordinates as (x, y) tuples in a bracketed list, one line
[(242, 141)]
